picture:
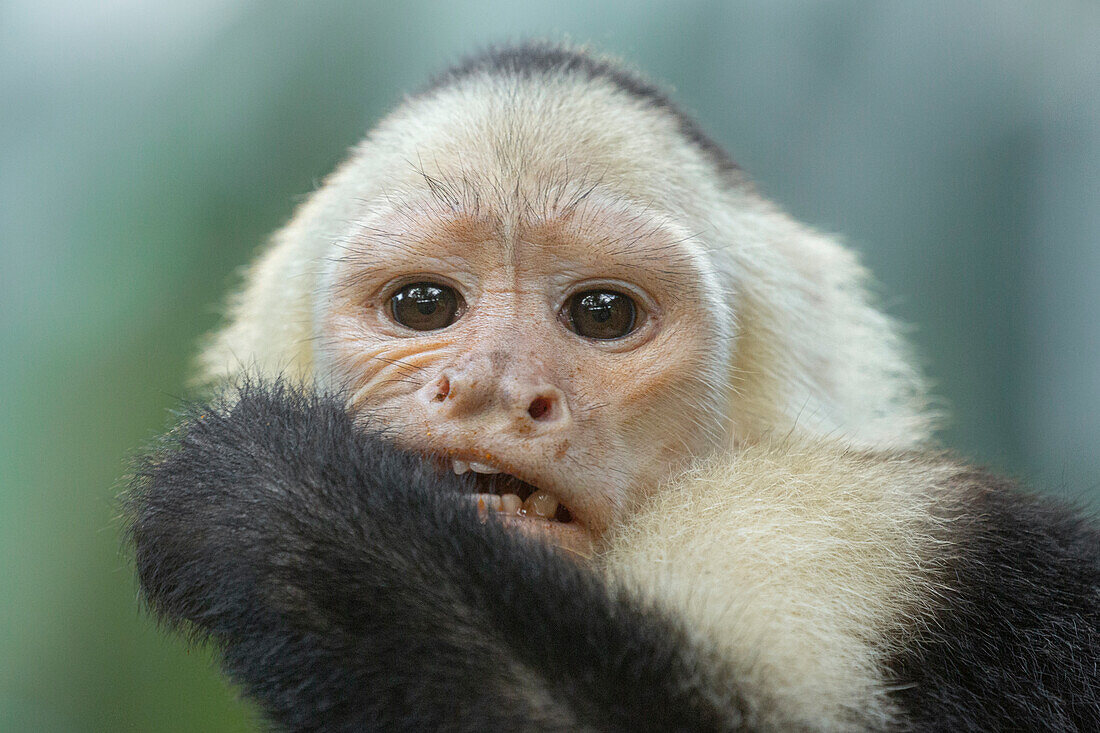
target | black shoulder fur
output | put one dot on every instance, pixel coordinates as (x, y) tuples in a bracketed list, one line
[(1016, 642)]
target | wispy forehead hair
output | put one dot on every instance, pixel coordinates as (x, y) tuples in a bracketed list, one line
[(559, 191)]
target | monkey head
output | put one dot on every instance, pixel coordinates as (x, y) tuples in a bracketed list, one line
[(539, 271)]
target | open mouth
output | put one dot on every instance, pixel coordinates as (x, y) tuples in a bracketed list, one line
[(524, 506), (511, 496)]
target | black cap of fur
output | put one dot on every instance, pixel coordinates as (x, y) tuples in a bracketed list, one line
[(348, 588), (545, 59)]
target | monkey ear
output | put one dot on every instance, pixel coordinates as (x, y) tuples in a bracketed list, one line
[(271, 320), (813, 352), (268, 327)]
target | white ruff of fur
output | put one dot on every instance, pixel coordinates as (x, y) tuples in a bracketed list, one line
[(803, 564)]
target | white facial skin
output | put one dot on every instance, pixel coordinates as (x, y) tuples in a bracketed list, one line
[(510, 384)]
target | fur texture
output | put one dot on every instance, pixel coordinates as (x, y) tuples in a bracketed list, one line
[(349, 588), (1013, 642), (854, 591), (803, 562), (841, 590)]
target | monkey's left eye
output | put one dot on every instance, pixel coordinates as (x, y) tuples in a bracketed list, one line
[(600, 314), (426, 306)]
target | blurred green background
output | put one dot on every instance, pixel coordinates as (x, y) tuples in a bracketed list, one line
[(147, 149)]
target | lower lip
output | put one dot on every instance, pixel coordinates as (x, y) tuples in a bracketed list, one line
[(570, 536)]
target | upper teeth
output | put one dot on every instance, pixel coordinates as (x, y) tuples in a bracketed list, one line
[(461, 467)]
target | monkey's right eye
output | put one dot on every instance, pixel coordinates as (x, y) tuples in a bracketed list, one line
[(426, 306)]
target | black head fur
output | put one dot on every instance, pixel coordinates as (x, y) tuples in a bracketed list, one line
[(540, 58)]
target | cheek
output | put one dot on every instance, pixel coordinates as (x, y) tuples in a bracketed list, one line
[(666, 393), (373, 370)]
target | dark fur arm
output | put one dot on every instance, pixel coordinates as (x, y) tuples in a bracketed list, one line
[(1016, 642), (348, 589)]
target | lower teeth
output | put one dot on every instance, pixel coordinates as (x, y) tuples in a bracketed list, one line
[(501, 503), (510, 504), (540, 505)]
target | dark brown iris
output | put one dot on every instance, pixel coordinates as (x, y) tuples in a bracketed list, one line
[(601, 314), (426, 306)]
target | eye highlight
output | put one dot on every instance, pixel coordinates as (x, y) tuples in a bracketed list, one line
[(426, 306), (600, 314)]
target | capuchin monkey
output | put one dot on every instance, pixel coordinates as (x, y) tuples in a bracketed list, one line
[(537, 416)]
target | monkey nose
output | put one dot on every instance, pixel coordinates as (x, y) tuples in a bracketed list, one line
[(455, 396), (546, 405)]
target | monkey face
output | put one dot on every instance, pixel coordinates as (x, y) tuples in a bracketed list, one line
[(553, 282), (567, 360)]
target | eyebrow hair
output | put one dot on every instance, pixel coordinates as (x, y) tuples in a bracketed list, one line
[(636, 242)]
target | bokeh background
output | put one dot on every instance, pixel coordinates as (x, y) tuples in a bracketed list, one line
[(148, 148)]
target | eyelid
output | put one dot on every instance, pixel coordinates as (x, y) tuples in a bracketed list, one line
[(392, 286), (645, 304)]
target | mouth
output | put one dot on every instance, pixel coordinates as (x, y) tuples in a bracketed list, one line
[(524, 506), (512, 496)]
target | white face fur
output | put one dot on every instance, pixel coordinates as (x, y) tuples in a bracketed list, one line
[(541, 275), (571, 338)]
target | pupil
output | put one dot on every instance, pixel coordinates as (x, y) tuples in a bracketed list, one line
[(599, 306), (425, 306), (602, 314)]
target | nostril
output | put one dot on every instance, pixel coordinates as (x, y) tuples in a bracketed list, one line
[(442, 389), (540, 408)]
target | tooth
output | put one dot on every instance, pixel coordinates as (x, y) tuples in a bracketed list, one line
[(461, 467), (488, 501), (510, 504), (482, 468), (541, 504)]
